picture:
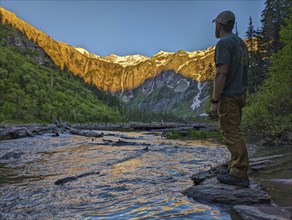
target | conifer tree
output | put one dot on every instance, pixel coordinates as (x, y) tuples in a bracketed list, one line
[(272, 17), (255, 72), (269, 111), (265, 41)]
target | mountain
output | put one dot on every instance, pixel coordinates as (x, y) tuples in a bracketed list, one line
[(167, 81), (34, 89), (115, 73)]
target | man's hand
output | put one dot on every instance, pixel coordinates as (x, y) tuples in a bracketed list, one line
[(214, 111)]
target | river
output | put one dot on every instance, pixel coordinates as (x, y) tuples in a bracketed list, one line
[(141, 181)]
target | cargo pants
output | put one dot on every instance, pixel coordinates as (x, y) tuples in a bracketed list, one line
[(230, 112)]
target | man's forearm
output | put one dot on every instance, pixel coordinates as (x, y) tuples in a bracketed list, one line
[(219, 83)]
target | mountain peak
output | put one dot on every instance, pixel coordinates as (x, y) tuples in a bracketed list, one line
[(127, 60)]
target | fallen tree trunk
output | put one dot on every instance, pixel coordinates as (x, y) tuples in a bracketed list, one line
[(124, 143), (32, 130), (85, 133), (15, 132)]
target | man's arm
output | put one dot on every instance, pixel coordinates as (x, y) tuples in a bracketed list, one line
[(219, 82)]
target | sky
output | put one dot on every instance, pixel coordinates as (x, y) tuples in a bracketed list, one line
[(134, 27)]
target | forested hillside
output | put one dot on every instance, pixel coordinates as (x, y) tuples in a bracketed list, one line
[(269, 106), (33, 90)]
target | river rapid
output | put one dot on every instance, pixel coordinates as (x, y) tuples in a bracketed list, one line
[(135, 181)]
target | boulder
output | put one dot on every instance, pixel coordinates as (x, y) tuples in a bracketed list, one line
[(263, 212), (214, 192)]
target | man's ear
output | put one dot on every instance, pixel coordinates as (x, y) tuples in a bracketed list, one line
[(218, 26)]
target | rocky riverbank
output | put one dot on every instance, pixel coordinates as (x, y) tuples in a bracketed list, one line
[(254, 202)]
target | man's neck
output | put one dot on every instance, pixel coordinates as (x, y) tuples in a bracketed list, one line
[(223, 33)]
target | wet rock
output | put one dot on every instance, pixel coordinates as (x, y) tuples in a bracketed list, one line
[(208, 189), (213, 191), (65, 180), (12, 155), (202, 176), (263, 212)]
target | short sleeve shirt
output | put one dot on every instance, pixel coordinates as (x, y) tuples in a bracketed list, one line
[(231, 50)]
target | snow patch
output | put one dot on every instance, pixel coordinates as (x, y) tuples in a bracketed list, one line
[(196, 101)]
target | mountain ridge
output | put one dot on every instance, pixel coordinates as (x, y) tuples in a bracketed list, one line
[(115, 73)]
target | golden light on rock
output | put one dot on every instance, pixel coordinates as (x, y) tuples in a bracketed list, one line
[(115, 73)]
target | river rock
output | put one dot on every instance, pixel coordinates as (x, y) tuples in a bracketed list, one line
[(263, 212), (212, 191)]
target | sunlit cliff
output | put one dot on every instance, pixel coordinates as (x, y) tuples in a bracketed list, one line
[(115, 73)]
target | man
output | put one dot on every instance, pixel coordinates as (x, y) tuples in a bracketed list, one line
[(230, 85)]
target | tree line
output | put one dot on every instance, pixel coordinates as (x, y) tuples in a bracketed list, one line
[(270, 73)]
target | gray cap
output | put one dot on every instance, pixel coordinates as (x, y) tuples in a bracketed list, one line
[(224, 17)]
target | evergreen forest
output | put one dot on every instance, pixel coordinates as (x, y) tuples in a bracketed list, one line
[(43, 93)]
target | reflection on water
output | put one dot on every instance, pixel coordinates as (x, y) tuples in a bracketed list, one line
[(135, 182), (277, 179)]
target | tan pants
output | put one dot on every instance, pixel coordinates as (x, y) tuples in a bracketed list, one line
[(230, 112)]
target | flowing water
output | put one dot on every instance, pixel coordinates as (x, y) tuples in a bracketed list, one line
[(135, 181)]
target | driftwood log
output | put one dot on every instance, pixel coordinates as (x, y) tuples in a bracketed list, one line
[(123, 143), (85, 133), (15, 132)]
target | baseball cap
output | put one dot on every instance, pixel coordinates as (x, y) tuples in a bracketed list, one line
[(224, 17)]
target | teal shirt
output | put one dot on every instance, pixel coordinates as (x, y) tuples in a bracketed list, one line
[(231, 50)]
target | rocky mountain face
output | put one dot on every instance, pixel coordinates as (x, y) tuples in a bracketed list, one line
[(168, 92), (162, 82), (39, 55)]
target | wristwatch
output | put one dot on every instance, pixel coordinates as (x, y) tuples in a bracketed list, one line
[(213, 101)]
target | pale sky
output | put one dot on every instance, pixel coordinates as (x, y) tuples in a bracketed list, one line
[(133, 27)]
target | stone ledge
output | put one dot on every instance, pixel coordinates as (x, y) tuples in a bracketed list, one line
[(214, 192), (263, 212)]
